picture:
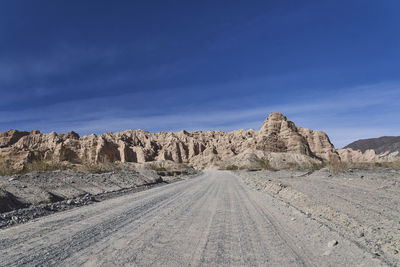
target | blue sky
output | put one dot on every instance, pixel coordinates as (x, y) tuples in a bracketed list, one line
[(101, 66)]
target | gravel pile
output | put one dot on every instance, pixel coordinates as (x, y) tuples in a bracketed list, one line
[(26, 214)]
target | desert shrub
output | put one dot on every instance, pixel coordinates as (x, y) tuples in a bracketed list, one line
[(98, 167), (294, 166), (160, 169), (157, 168), (37, 164), (5, 167), (185, 166), (264, 164), (337, 166), (232, 168), (374, 165), (314, 166), (43, 165), (392, 165), (93, 152)]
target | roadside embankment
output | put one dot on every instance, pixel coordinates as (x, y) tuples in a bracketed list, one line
[(361, 205), (24, 197)]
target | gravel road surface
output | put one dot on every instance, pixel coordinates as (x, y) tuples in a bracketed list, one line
[(212, 220)]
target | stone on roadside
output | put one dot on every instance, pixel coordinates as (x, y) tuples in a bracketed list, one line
[(332, 243)]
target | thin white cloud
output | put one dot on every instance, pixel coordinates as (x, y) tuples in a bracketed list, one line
[(97, 115)]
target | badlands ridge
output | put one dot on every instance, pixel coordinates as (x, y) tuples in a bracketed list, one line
[(279, 141)]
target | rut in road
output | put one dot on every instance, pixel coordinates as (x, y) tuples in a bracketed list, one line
[(214, 219)]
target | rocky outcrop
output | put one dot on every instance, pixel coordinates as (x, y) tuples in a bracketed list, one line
[(382, 149), (11, 137), (281, 135), (200, 149), (356, 156), (277, 134), (319, 144)]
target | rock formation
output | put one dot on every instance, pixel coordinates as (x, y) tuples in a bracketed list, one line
[(382, 149), (200, 149), (357, 156)]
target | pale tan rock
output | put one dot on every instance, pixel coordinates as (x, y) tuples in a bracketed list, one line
[(10, 137), (280, 135), (319, 144), (200, 149), (277, 130), (356, 156)]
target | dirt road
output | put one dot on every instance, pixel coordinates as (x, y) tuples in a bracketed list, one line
[(214, 219)]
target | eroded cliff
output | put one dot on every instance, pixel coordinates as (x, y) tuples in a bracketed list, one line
[(199, 149)]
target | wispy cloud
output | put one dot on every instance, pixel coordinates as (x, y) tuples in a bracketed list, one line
[(355, 113)]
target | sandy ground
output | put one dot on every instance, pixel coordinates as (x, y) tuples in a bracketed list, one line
[(46, 187), (214, 219), (37, 194), (361, 205)]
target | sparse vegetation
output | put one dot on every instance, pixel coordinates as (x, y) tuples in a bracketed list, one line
[(43, 165), (5, 167), (391, 165), (337, 167), (294, 166), (98, 168), (168, 169), (374, 165), (93, 153), (158, 168), (232, 168), (265, 164), (311, 167), (334, 166), (38, 164)]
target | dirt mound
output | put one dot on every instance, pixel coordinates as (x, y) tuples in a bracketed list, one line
[(9, 202), (47, 187)]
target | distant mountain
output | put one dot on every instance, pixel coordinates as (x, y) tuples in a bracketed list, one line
[(380, 145)]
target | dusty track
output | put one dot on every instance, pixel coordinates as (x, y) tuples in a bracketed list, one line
[(214, 219)]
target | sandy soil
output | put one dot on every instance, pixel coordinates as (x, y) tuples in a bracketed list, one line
[(46, 187), (214, 219), (361, 205)]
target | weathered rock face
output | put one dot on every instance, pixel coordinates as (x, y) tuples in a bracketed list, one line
[(200, 149), (10, 137), (319, 144), (282, 135), (357, 156)]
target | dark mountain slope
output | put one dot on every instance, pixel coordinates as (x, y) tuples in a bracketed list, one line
[(380, 145)]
